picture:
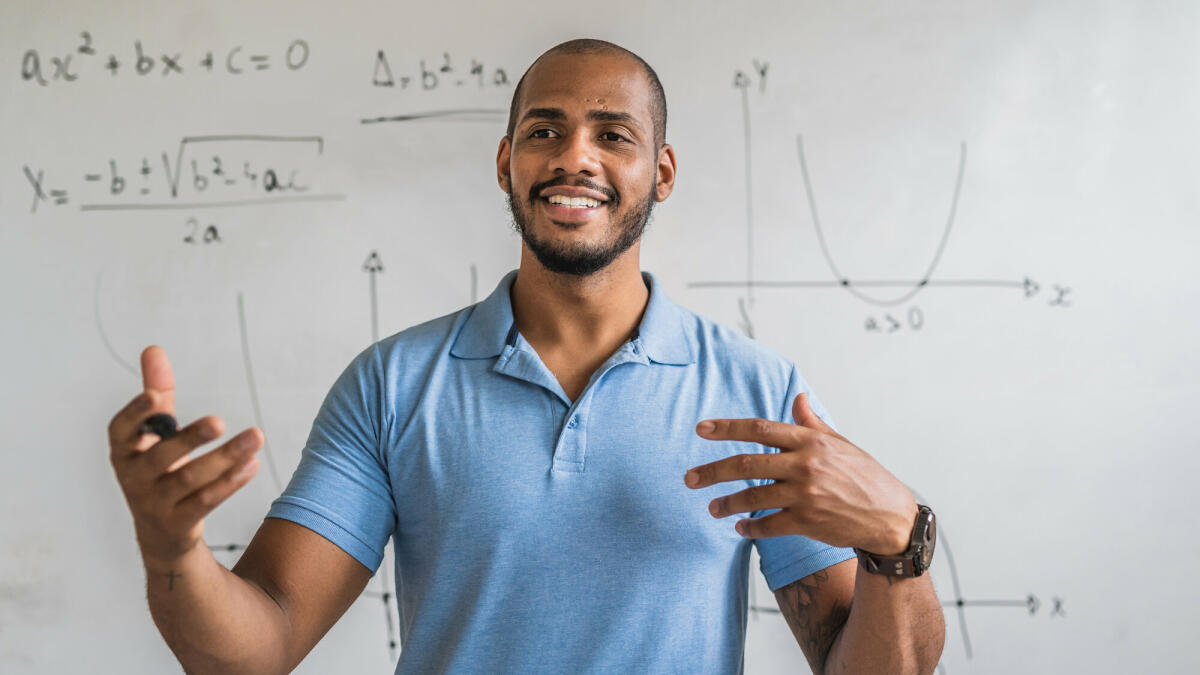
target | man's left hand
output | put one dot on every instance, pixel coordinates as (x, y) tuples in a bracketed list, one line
[(826, 487)]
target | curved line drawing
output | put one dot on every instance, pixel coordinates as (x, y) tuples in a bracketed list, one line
[(254, 392), (103, 335), (747, 325), (847, 283), (943, 544), (386, 594)]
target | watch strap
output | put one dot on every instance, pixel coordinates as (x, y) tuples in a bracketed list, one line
[(914, 561), (892, 565)]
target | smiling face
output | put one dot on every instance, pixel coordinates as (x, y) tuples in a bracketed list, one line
[(582, 169)]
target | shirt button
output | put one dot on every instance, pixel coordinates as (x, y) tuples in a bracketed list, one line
[(573, 421)]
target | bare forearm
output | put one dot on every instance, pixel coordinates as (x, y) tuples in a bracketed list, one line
[(894, 626), (213, 620)]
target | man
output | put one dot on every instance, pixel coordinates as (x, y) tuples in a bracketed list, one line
[(537, 458)]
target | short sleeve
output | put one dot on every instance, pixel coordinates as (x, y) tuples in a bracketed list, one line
[(341, 489), (793, 557)]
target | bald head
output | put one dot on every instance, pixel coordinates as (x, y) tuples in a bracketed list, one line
[(658, 100)]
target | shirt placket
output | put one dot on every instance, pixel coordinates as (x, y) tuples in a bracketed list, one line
[(570, 450)]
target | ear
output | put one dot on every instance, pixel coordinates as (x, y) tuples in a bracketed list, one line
[(666, 173), (503, 154)]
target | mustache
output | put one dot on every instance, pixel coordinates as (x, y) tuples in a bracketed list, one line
[(613, 197)]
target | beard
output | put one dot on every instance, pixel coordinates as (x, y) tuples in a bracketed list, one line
[(579, 259)]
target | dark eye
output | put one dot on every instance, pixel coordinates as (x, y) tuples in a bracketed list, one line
[(612, 136), (535, 132)]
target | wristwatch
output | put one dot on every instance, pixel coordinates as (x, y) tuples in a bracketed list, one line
[(914, 561)]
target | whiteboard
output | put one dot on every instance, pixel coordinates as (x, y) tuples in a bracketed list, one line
[(973, 226)]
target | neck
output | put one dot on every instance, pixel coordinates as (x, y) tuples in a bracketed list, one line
[(579, 315)]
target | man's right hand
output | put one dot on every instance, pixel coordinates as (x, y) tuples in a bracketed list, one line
[(167, 490)]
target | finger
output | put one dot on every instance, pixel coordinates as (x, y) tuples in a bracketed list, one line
[(755, 430), (123, 427), (165, 455), (803, 413), (202, 501), (178, 485), (750, 500), (738, 467), (157, 375), (777, 524)]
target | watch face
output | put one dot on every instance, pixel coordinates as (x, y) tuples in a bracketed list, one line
[(930, 537)]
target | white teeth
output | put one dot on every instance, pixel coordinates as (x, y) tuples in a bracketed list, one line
[(574, 202)]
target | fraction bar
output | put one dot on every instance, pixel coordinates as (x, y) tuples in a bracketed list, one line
[(212, 205)]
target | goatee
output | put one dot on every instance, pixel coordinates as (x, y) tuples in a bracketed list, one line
[(580, 259)]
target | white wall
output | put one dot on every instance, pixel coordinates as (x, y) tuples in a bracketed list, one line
[(1054, 441)]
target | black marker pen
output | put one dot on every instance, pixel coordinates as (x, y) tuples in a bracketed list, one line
[(162, 424)]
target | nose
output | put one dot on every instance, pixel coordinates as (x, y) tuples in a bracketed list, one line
[(576, 155)]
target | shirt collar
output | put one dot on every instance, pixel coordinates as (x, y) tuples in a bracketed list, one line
[(661, 333)]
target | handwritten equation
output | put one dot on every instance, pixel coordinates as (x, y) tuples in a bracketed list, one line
[(439, 73), (914, 318), (203, 172), (225, 170), (68, 65)]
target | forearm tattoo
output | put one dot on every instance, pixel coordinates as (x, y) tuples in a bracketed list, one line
[(815, 626)]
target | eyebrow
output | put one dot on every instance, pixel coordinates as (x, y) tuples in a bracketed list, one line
[(557, 114)]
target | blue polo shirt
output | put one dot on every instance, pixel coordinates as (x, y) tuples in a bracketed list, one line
[(538, 534)]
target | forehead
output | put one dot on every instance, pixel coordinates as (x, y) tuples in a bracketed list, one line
[(612, 82)]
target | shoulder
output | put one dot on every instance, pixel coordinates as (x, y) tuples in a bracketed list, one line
[(425, 338), (380, 366), (416, 351), (720, 342), (385, 379), (753, 371), (396, 359)]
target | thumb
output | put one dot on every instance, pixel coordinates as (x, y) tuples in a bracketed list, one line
[(803, 413), (157, 375)]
